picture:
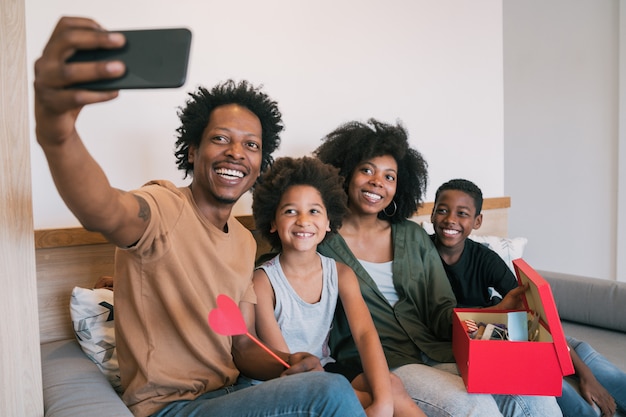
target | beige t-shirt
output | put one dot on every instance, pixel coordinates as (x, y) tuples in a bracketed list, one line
[(165, 287)]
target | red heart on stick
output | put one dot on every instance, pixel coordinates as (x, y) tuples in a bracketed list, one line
[(226, 319)]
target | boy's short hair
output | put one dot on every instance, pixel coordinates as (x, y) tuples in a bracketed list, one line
[(286, 172), (195, 117), (467, 187)]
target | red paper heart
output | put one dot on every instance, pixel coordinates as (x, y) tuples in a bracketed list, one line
[(226, 319)]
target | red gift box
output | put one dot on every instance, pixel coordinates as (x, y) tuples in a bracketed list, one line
[(514, 367)]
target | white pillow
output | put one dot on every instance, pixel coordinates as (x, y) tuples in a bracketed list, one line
[(507, 248), (92, 319), (428, 227)]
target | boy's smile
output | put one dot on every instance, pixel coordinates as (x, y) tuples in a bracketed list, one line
[(454, 218)]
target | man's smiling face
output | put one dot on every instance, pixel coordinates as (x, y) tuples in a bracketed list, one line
[(228, 160)]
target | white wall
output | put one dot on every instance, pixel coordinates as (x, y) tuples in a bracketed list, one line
[(547, 107), (561, 83), (437, 66)]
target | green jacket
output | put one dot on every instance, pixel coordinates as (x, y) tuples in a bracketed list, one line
[(421, 320)]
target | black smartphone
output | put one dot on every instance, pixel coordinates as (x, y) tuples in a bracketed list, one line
[(154, 58)]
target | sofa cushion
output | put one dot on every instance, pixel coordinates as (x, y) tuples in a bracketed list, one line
[(73, 386), (508, 248), (592, 301), (609, 343)]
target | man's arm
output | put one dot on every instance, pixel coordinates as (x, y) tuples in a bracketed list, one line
[(119, 216)]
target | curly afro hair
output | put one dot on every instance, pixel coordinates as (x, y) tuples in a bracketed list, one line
[(195, 116), (353, 143), (287, 172)]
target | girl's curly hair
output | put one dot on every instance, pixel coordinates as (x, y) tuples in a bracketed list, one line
[(353, 143), (195, 116), (287, 172)]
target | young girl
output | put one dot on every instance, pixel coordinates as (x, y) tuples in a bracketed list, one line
[(296, 203)]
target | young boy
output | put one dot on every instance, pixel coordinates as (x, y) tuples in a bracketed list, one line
[(473, 268), (296, 203)]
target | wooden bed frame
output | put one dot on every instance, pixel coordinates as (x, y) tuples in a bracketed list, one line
[(72, 257)]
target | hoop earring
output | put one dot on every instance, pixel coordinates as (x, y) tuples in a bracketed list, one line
[(395, 208)]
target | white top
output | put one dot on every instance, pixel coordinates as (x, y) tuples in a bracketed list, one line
[(382, 274), (305, 326)]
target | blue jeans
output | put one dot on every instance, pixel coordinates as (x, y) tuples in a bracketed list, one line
[(305, 394), (442, 394), (607, 374), (490, 405), (527, 405)]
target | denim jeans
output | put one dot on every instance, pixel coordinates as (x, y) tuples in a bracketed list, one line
[(442, 394), (305, 394), (453, 399), (607, 374), (527, 405)]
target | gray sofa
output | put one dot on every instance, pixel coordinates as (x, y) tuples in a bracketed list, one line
[(592, 310), (73, 386)]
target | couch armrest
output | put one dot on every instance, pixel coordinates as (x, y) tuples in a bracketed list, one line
[(592, 301), (73, 386)]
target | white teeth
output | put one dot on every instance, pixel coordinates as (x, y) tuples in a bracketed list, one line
[(451, 232), (229, 173), (302, 234), (372, 196)]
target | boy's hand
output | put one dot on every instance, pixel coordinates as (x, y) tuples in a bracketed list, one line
[(590, 388), (593, 392), (57, 107), (512, 300), (302, 362)]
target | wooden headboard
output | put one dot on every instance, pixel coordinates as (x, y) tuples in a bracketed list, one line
[(72, 257)]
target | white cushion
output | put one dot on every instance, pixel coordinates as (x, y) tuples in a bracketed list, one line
[(507, 248), (92, 318)]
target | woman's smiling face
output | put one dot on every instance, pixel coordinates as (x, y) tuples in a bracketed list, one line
[(373, 185)]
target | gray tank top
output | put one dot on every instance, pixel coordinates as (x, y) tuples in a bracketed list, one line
[(305, 326)]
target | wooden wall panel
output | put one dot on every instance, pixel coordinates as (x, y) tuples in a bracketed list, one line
[(20, 361)]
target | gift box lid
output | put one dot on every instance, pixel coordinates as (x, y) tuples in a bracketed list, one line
[(539, 299)]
